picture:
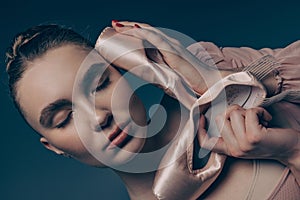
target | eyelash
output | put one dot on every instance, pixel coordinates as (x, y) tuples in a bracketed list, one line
[(66, 121), (103, 85)]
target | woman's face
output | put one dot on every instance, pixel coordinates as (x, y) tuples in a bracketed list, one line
[(90, 126)]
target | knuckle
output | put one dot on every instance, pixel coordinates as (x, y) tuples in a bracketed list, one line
[(235, 107), (235, 113), (236, 153), (245, 147), (232, 108), (252, 110), (253, 138)]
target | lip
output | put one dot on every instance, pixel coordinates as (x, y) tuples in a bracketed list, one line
[(119, 136)]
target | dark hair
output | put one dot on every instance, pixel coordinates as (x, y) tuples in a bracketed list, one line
[(34, 43)]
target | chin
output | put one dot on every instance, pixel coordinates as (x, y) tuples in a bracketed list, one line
[(119, 156), (126, 161), (129, 151), (135, 145)]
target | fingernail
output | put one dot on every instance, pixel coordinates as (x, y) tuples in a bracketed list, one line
[(136, 26), (114, 21), (119, 25)]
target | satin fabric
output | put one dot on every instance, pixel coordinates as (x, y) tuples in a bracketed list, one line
[(176, 177)]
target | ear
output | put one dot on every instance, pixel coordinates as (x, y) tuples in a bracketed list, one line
[(50, 147)]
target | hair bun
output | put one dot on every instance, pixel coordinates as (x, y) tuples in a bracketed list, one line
[(12, 51), (23, 38)]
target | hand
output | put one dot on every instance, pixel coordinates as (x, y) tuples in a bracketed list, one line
[(171, 53), (245, 134)]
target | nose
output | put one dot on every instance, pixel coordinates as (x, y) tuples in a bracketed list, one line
[(103, 119)]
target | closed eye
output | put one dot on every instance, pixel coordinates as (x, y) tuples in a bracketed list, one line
[(66, 121), (102, 85)]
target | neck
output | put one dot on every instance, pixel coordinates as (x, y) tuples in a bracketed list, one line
[(139, 185)]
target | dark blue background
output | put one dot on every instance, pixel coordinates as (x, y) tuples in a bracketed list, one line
[(30, 172)]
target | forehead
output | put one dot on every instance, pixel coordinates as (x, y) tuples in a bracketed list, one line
[(49, 78)]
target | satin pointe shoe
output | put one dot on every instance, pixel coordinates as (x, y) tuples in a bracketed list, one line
[(178, 176), (146, 62)]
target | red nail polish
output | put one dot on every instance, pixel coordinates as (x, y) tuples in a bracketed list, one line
[(137, 26), (119, 25), (114, 21)]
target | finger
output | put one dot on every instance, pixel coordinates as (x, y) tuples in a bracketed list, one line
[(129, 23), (156, 39), (220, 147), (265, 118), (253, 117), (236, 114), (264, 114), (171, 56), (227, 134), (154, 36), (237, 120), (128, 52), (151, 34), (215, 144), (232, 108), (133, 57), (145, 26), (254, 128)]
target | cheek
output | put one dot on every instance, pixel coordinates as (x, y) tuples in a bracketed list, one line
[(71, 143), (68, 140)]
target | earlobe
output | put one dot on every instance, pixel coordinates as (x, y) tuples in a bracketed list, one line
[(50, 147)]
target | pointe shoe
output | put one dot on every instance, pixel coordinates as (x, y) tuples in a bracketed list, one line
[(143, 60), (177, 177)]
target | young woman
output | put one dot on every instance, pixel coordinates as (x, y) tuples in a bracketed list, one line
[(43, 65)]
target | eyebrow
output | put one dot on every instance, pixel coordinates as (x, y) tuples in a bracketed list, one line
[(90, 75), (48, 113)]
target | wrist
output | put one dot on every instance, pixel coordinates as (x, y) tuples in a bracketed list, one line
[(294, 161), (294, 166), (292, 157)]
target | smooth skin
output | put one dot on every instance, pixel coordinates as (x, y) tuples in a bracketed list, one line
[(51, 78)]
